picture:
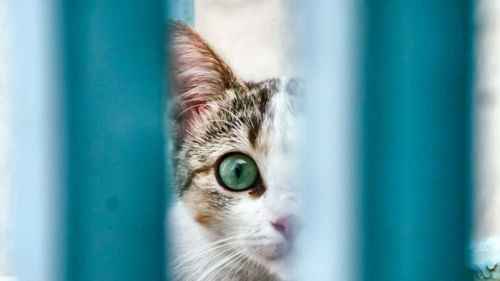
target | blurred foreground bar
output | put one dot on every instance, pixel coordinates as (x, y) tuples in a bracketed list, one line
[(36, 141), (329, 243), (114, 65), (416, 140)]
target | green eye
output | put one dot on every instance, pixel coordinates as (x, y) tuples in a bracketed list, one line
[(237, 172)]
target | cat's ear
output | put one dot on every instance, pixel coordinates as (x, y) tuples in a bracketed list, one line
[(200, 76)]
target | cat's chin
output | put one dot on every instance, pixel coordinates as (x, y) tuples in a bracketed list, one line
[(279, 267), (276, 263), (275, 259)]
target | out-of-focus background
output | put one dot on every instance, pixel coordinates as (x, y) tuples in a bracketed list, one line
[(5, 192), (487, 132), (488, 118), (256, 37)]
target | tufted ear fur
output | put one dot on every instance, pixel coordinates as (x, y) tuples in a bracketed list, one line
[(200, 75)]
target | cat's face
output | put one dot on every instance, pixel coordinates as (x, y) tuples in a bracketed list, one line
[(237, 153)]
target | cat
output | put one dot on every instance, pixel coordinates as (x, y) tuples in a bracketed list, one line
[(235, 215)]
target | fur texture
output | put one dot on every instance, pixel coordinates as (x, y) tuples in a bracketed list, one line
[(220, 234)]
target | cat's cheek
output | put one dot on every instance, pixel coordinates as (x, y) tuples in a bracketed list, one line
[(206, 206), (252, 220)]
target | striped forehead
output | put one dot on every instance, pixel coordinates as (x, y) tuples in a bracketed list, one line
[(277, 130), (260, 116)]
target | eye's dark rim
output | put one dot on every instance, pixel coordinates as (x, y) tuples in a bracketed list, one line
[(221, 182)]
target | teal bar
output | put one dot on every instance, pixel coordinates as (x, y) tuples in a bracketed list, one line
[(114, 70), (416, 139)]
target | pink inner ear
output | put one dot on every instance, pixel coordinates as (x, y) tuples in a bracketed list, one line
[(200, 75), (197, 106), (192, 108)]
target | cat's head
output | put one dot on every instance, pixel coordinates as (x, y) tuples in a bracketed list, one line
[(236, 152)]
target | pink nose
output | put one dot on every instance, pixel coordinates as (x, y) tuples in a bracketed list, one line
[(285, 225)]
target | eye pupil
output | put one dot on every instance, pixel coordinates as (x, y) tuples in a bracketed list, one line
[(237, 172)]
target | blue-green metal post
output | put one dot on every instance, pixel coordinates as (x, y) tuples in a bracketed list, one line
[(416, 146), (114, 67)]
